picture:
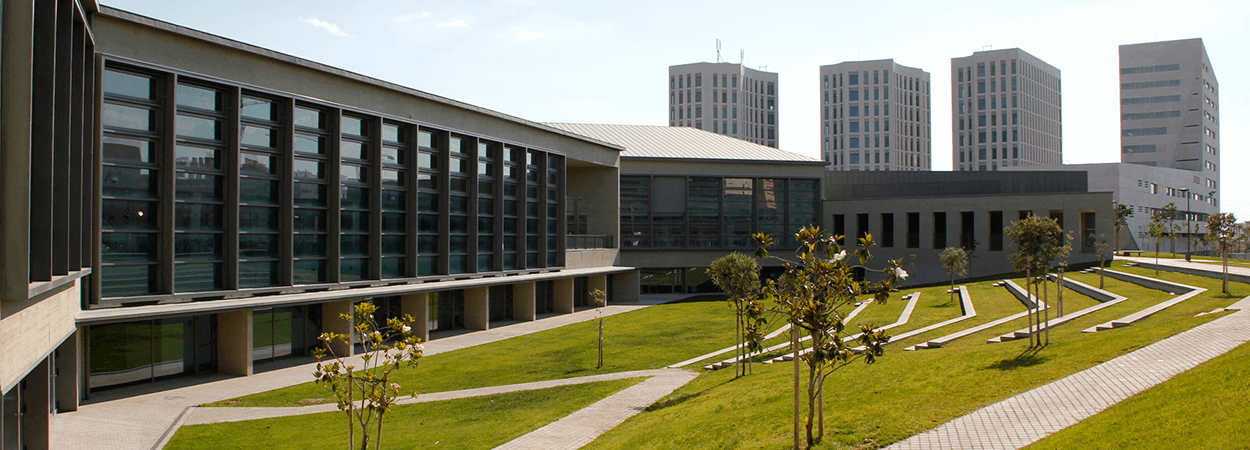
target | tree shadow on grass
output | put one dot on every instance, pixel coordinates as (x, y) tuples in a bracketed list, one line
[(1028, 358), (679, 399)]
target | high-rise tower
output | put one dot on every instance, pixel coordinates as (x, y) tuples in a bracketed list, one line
[(724, 98), (875, 116), (1005, 111)]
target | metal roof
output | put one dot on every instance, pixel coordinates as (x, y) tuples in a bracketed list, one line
[(662, 142)]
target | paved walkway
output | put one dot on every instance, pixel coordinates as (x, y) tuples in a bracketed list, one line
[(141, 417), (1033, 415), (583, 426), (1215, 267)]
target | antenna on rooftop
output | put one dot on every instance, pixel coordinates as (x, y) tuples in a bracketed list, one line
[(987, 47), (718, 58), (742, 56), (764, 68)]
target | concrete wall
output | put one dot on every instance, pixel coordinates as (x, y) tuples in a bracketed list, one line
[(923, 262), (587, 258), (418, 306), (477, 308), (32, 329), (523, 302), (234, 343)]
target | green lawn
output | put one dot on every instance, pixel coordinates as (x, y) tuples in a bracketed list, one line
[(647, 338), (1204, 408), (471, 423), (906, 393)]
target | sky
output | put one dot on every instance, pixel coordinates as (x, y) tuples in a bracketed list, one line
[(607, 62)]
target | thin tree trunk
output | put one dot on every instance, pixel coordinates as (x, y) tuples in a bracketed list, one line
[(1225, 253), (1046, 295), (811, 401), (1028, 292), (794, 344), (820, 406)]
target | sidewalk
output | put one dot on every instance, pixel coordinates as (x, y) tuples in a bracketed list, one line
[(138, 417), (1026, 418)]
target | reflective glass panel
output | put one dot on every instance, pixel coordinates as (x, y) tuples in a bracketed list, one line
[(197, 97), (122, 83)]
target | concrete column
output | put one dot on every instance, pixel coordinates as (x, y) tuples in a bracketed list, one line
[(562, 294), (523, 302), (599, 282), (418, 306), (234, 343), (477, 308), (331, 322), (67, 374), (626, 287), (35, 397)]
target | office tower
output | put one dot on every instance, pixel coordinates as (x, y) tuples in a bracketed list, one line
[(1005, 111), (1169, 112), (724, 98), (875, 115)]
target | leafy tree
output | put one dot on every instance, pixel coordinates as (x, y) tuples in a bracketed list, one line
[(1221, 230), (811, 292), (955, 261), (601, 300), (365, 393), (1158, 230), (1040, 243), (738, 275), (1122, 213)]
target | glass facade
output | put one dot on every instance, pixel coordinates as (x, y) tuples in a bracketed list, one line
[(210, 187), (714, 212)]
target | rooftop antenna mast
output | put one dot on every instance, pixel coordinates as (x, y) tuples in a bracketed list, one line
[(987, 47), (742, 56), (718, 58)]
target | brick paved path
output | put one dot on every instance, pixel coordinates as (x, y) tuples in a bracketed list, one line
[(583, 426), (1033, 415)]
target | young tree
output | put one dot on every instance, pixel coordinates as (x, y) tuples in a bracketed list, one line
[(1102, 249), (811, 292), (601, 300), (955, 261), (1169, 213), (1158, 230), (1122, 213), (1221, 230), (1040, 243), (365, 393), (738, 276)]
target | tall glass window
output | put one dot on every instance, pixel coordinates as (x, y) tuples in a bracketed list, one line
[(131, 151), (514, 166), (704, 209), (310, 192), (533, 215), (395, 184), (635, 212), (459, 174), (260, 168), (356, 155), (770, 210), (198, 183), (487, 168), (429, 182), (739, 197), (555, 179)]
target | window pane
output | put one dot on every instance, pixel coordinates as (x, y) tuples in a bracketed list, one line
[(132, 215), (354, 245), (309, 245), (258, 191), (352, 150), (307, 194), (198, 127), (354, 222), (195, 186), (258, 274), (127, 247), (122, 83), (392, 155), (394, 200), (118, 116), (304, 168), (392, 267), (354, 173), (393, 223), (258, 136), (258, 219), (391, 133), (197, 277), (392, 177), (392, 245), (427, 202), (197, 246), (308, 143), (191, 216), (127, 150), (258, 109), (120, 281), (258, 163), (352, 125), (308, 272), (310, 220), (353, 269), (354, 197), (197, 97), (311, 118), (129, 183), (197, 157)]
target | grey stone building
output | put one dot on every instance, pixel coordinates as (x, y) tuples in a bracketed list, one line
[(1006, 110), (875, 115)]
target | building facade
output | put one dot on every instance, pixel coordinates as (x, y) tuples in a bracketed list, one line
[(1170, 109), (724, 98), (914, 216), (1006, 110), (863, 128)]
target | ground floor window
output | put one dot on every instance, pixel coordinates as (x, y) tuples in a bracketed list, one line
[(121, 354)]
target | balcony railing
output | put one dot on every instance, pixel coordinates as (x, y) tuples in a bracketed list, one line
[(585, 241)]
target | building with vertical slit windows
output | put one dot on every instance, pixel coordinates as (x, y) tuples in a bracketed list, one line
[(1170, 111), (1006, 110), (875, 115), (725, 98)]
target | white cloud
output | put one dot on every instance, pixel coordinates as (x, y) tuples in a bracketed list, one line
[(529, 36), (421, 15), (453, 24), (332, 28)]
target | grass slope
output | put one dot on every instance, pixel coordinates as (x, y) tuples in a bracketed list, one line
[(907, 393), (1204, 408), (648, 338), (472, 423)]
